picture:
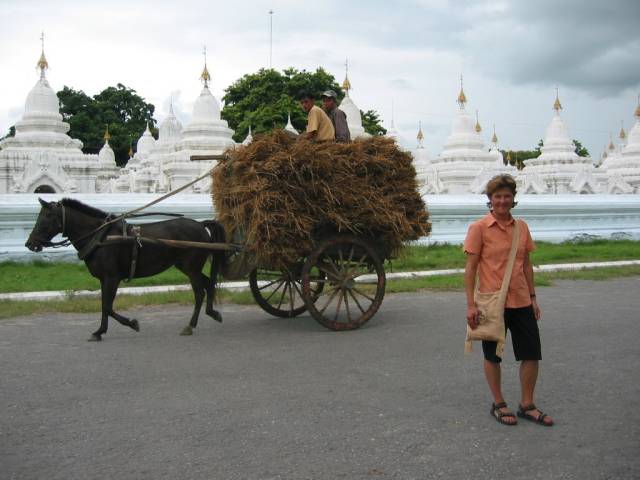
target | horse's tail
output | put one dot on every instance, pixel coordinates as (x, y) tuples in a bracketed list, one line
[(218, 258)]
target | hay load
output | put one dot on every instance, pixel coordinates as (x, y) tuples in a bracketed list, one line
[(284, 194)]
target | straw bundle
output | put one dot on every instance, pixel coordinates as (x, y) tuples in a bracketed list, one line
[(284, 194)]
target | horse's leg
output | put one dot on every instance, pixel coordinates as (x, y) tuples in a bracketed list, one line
[(108, 287), (131, 323), (213, 313), (198, 286)]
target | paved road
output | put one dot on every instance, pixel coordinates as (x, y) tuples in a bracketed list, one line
[(265, 398)]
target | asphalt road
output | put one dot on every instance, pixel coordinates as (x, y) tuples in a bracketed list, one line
[(265, 398)]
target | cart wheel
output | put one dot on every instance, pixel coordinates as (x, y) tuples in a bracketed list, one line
[(280, 292), (355, 283)]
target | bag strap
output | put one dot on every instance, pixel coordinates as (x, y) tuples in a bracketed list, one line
[(512, 260)]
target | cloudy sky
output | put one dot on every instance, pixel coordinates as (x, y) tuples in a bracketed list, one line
[(408, 54)]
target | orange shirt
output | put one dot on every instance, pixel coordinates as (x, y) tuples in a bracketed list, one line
[(492, 242)]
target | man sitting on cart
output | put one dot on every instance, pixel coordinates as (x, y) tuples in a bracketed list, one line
[(337, 116), (319, 126)]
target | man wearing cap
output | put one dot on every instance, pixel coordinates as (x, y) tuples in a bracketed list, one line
[(337, 116), (319, 127)]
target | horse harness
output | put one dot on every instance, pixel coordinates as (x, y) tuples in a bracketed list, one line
[(130, 233)]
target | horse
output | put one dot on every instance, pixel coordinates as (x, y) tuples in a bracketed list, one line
[(85, 227)]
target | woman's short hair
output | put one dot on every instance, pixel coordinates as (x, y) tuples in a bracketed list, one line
[(498, 183)]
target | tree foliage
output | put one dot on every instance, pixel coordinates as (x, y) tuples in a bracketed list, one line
[(580, 150), (121, 108), (371, 123), (263, 100)]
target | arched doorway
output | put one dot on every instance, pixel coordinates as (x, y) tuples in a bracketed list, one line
[(44, 189)]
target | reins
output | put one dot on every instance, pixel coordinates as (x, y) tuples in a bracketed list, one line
[(110, 219)]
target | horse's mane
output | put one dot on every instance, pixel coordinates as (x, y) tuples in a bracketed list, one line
[(84, 208)]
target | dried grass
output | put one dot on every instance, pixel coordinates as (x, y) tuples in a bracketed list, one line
[(285, 194)]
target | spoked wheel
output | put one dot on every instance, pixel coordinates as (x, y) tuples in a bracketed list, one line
[(280, 292), (354, 284)]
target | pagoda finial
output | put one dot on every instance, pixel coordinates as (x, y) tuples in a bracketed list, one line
[(622, 134), (205, 76), (42, 62), (494, 139), (420, 135), (346, 85), (130, 150), (478, 127), (611, 145), (462, 98), (392, 115), (107, 135), (557, 106), (637, 112)]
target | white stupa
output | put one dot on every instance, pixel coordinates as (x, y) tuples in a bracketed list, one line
[(166, 164), (392, 131), (289, 126), (464, 156), (623, 168), (496, 167), (41, 157), (351, 110), (559, 168), (109, 170), (248, 139), (421, 161)]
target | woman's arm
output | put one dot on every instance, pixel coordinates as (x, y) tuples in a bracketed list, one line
[(528, 273), (469, 283)]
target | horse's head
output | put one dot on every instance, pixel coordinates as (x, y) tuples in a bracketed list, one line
[(48, 225)]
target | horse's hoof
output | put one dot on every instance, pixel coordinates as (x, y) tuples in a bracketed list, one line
[(217, 317), (95, 338), (135, 325), (186, 331)]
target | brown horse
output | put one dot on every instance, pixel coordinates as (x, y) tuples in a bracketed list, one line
[(111, 263)]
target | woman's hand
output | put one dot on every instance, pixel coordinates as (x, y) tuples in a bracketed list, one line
[(536, 308), (472, 316)]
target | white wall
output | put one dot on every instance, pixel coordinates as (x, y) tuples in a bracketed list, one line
[(551, 217)]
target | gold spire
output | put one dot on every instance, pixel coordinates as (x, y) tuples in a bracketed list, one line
[(637, 112), (494, 139), (130, 150), (462, 98), (605, 154), (420, 135), (478, 127), (205, 76), (611, 145), (557, 106), (346, 84), (107, 135), (622, 134), (42, 64)]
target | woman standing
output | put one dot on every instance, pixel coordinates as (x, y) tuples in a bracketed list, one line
[(487, 246)]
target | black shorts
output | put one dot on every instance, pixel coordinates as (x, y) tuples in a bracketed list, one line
[(525, 336)]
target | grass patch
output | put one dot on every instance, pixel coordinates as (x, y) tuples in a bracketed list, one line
[(46, 276), (10, 309)]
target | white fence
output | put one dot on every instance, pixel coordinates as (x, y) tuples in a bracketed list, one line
[(550, 217)]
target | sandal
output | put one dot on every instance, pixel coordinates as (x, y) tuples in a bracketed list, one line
[(522, 413), (500, 416)]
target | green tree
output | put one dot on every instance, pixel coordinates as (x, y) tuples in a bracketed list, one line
[(580, 150), (11, 133), (371, 123), (119, 107), (263, 99)]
